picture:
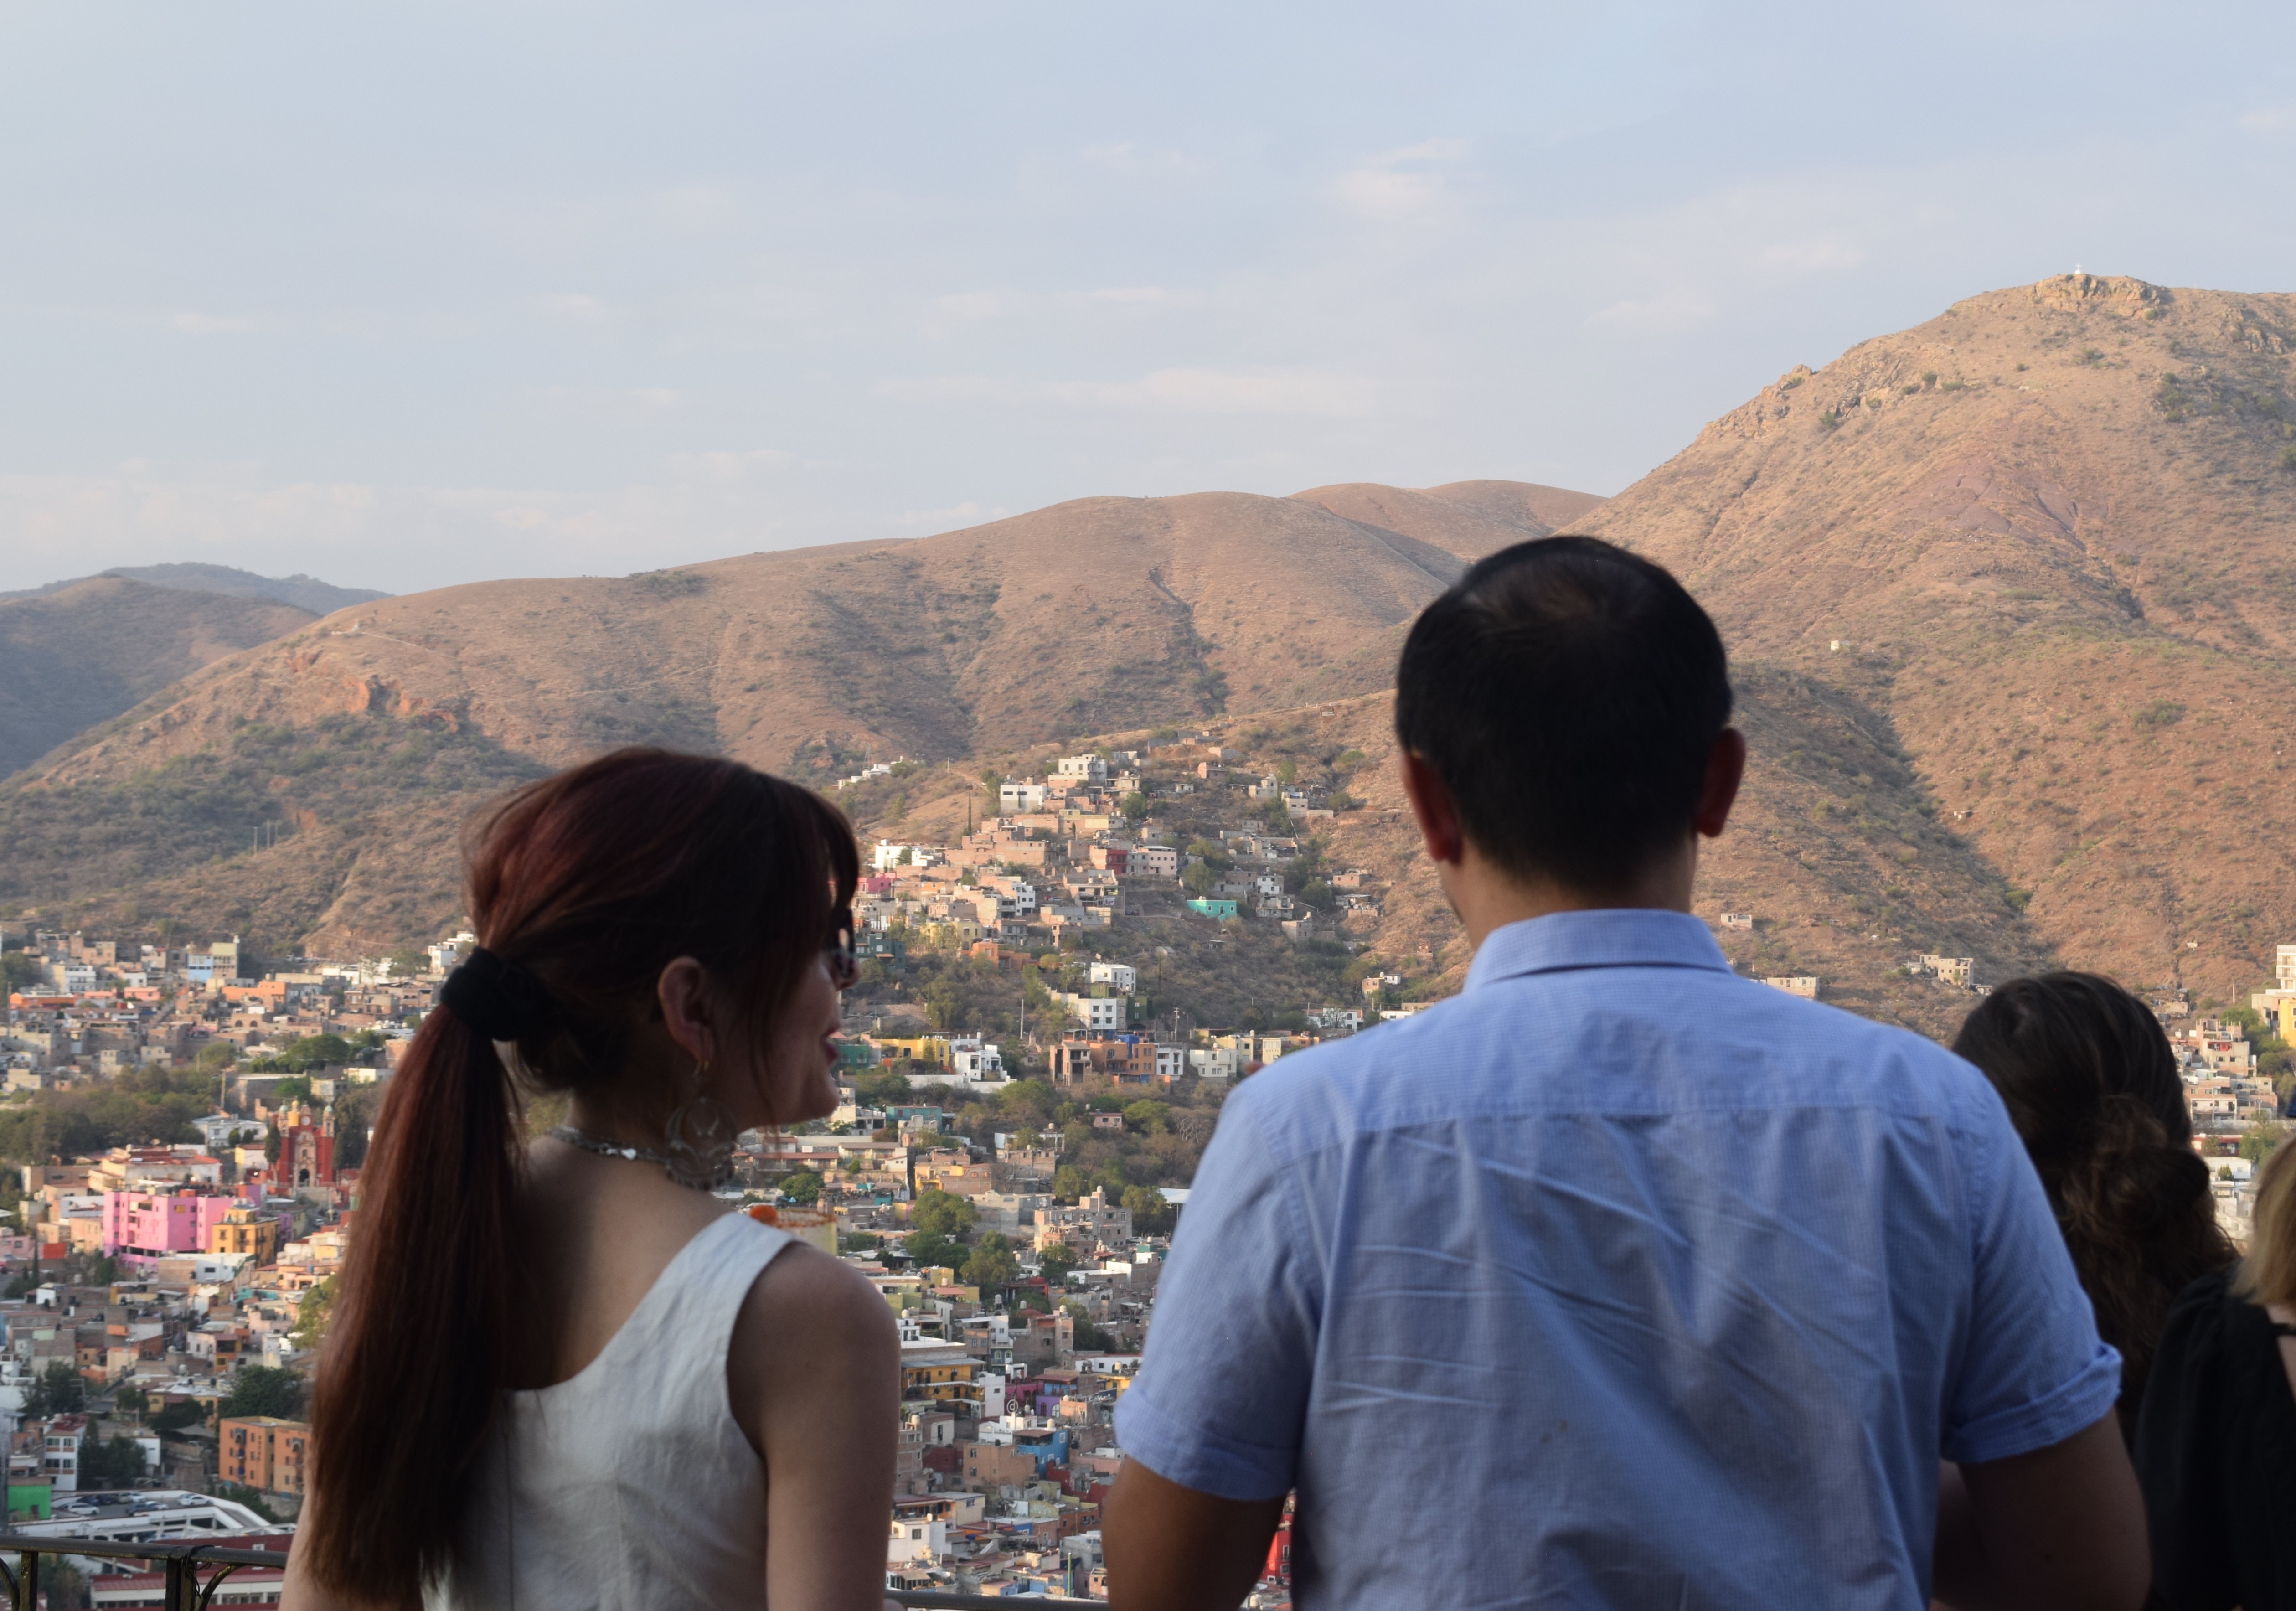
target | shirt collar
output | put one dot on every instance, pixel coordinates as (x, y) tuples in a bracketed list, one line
[(1626, 937)]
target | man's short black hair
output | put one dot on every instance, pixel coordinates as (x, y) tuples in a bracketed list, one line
[(1568, 693)]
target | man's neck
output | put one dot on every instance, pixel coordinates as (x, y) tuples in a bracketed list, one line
[(1488, 896)]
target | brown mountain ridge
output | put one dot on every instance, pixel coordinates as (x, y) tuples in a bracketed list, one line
[(74, 656), (2007, 596), (1091, 615), (2046, 537)]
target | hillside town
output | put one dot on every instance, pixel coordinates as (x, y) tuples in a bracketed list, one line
[(1010, 1200)]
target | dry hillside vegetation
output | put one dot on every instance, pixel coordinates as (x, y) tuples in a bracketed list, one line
[(1097, 614), (1835, 846), (79, 655), (2044, 538), (2007, 598)]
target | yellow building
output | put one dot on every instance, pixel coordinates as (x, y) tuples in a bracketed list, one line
[(923, 1049), (942, 1372), (2278, 1008), (243, 1231)]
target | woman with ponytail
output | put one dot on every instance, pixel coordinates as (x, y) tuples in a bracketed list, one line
[(2092, 1088), (559, 1373)]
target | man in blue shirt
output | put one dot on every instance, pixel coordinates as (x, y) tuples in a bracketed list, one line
[(1618, 1280)]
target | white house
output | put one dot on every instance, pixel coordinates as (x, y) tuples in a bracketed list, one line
[(917, 1542), (1095, 1012)]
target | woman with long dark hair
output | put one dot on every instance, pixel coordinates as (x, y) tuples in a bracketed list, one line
[(559, 1373), (2091, 1085)]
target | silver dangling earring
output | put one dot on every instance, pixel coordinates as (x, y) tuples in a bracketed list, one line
[(698, 1141)]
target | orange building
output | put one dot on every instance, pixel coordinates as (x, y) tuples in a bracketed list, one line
[(244, 1230), (263, 1452)]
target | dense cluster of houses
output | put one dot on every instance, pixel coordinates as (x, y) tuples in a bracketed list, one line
[(200, 1278), (1079, 851), (96, 1009)]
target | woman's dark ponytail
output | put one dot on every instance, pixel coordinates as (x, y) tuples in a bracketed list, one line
[(421, 1337)]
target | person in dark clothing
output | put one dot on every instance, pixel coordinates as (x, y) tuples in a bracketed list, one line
[(2216, 1442), (2092, 1088)]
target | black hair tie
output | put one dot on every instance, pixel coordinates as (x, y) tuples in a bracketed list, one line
[(498, 999)]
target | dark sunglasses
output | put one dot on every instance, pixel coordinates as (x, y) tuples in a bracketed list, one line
[(844, 961)]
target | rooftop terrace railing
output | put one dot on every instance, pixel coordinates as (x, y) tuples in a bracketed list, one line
[(186, 1589)]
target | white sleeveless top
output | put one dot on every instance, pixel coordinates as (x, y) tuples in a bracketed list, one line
[(629, 1487)]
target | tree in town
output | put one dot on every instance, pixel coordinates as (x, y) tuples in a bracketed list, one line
[(930, 1249), (176, 1416), (1149, 1118), (938, 1213), (885, 1088), (264, 1390), (801, 1185), (1150, 1214), (993, 1263), (311, 1315), (59, 1390), (114, 1462), (1088, 1336)]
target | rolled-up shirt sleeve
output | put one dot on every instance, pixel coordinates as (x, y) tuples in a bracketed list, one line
[(1222, 1392), (2033, 1370)]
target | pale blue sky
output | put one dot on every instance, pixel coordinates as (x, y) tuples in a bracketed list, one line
[(411, 294)]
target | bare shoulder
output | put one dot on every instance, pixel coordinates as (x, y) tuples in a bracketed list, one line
[(816, 1325), (807, 1307)]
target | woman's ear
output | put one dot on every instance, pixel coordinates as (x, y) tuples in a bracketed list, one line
[(684, 993)]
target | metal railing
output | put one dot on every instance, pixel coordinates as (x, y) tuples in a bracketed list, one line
[(186, 1591)]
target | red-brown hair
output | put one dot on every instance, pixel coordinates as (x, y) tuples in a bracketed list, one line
[(591, 882)]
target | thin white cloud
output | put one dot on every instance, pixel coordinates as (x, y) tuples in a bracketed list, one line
[(2269, 119), (1402, 184), (1315, 393), (614, 401), (1824, 254), (210, 324), (574, 307), (732, 466), (1678, 307), (949, 389), (973, 305), (1145, 296)]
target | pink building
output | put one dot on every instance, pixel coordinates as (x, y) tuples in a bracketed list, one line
[(143, 1225)]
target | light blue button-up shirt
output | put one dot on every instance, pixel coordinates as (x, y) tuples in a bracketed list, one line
[(1618, 1280)]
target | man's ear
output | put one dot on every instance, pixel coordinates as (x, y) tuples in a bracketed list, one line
[(1430, 805), (1726, 770)]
